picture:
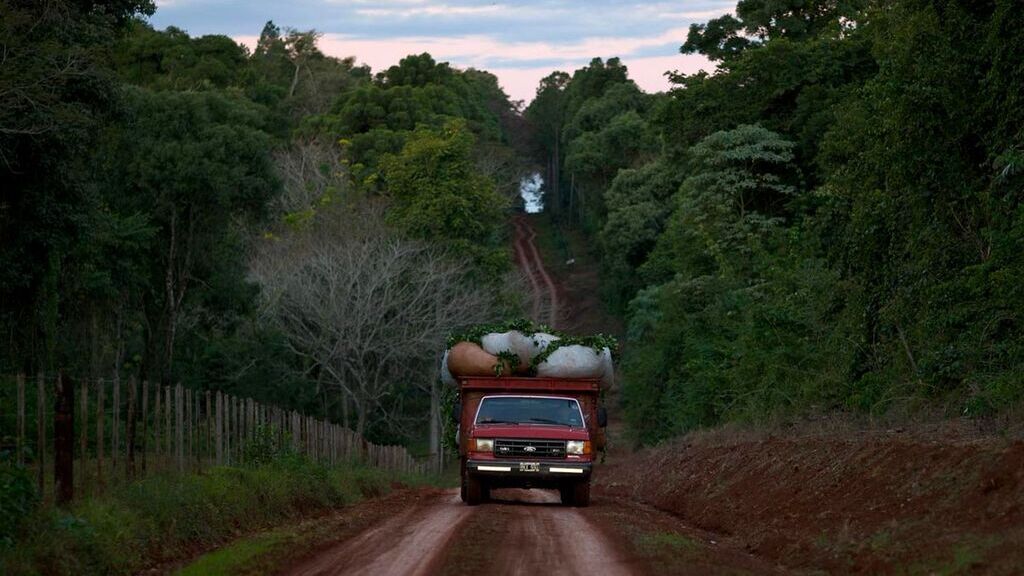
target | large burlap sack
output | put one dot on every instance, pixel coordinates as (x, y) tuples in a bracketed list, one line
[(497, 342), (446, 375), (573, 361), (533, 344), (467, 359), (526, 347)]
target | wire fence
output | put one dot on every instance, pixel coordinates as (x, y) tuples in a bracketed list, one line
[(83, 436)]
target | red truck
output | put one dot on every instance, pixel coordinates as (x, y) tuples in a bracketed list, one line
[(528, 433)]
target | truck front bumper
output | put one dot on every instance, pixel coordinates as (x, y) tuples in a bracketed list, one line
[(529, 473)]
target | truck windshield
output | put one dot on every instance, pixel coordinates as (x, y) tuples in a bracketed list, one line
[(529, 410)]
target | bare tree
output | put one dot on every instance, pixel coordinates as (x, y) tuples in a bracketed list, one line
[(310, 171), (367, 309)]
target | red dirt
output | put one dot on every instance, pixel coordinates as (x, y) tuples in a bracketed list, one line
[(529, 533), (874, 503)]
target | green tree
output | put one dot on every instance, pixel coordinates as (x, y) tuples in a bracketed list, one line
[(55, 101), (197, 164), (438, 195)]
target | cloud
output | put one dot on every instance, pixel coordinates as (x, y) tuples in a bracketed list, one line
[(487, 51), (441, 10), (648, 73), (516, 64), (519, 40)]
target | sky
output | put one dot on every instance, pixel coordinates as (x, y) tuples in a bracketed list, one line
[(520, 41)]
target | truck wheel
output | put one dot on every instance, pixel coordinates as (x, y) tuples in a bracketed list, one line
[(566, 493), (462, 478), (581, 494), (474, 490)]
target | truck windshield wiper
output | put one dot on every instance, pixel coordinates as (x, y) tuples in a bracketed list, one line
[(498, 422), (548, 421)]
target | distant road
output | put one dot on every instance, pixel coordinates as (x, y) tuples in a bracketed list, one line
[(544, 293)]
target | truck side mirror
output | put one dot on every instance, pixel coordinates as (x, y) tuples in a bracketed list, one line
[(602, 417), (456, 414)]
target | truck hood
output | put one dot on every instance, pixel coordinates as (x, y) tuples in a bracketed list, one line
[(529, 431)]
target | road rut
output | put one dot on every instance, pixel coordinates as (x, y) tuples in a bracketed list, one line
[(538, 536)]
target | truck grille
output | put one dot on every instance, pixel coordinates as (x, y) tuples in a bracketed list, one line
[(529, 448)]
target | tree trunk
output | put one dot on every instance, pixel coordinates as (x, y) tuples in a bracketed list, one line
[(557, 180), (64, 441), (344, 410), (171, 308), (360, 418), (295, 80)]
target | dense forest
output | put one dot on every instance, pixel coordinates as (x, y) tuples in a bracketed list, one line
[(832, 220), (274, 223)]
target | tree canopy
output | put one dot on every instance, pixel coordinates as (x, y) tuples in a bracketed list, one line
[(828, 221)]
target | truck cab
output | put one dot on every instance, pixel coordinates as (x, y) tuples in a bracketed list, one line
[(528, 433)]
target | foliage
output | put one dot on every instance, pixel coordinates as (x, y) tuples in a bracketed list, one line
[(830, 222), (18, 499), (139, 167), (438, 195), (639, 202), (165, 518)]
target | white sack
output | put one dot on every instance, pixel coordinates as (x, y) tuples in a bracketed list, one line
[(534, 344), (573, 361), (446, 375), (525, 346), (497, 342)]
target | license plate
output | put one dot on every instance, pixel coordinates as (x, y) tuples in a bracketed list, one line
[(529, 467)]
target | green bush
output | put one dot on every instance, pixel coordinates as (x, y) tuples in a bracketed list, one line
[(161, 518), (18, 499)]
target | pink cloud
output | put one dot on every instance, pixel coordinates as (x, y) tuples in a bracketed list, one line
[(520, 82)]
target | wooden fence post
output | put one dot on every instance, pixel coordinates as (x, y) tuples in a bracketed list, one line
[(100, 423), (193, 425), (179, 432), (41, 432), (145, 422), (227, 429), (21, 419), (209, 425), (115, 429), (220, 429), (83, 433), (157, 416), (130, 430), (168, 431), (64, 440)]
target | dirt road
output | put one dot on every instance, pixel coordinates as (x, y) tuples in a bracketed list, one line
[(543, 290), (536, 536)]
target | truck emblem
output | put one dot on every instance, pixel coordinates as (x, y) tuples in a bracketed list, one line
[(529, 449)]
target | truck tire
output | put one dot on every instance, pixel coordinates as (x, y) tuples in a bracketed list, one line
[(566, 492), (462, 480), (475, 490), (581, 494)]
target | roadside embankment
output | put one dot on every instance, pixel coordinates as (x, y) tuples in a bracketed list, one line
[(885, 501)]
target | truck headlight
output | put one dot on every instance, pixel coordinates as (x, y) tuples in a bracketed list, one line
[(484, 444), (577, 447)]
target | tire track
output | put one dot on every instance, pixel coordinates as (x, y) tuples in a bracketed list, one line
[(524, 264), (533, 265)]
